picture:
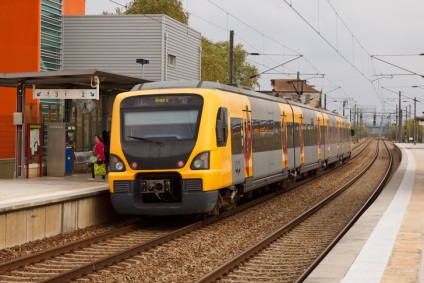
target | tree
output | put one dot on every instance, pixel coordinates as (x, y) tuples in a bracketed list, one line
[(392, 133), (118, 11), (361, 131), (215, 64), (171, 8)]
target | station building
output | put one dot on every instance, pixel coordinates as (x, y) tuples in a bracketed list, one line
[(296, 90), (55, 35), (31, 41)]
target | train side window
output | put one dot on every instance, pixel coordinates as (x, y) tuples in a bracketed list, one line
[(290, 135), (256, 135), (236, 136), (222, 127), (296, 136)]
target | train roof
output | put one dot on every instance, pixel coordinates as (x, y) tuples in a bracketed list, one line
[(215, 85)]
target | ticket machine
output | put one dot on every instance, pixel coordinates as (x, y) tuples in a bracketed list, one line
[(60, 149)]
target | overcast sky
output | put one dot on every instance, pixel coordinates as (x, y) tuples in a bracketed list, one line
[(379, 27)]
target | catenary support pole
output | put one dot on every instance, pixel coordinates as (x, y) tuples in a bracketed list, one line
[(400, 118), (231, 70)]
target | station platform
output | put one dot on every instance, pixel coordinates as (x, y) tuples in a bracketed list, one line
[(387, 243), (39, 207), (31, 192)]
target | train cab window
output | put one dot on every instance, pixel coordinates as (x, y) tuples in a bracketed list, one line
[(222, 126)]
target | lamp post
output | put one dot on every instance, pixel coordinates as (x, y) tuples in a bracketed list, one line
[(142, 62)]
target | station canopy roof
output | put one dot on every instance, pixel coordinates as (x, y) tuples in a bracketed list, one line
[(110, 83)]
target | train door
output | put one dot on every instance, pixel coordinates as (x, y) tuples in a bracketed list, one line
[(237, 152), (247, 145), (285, 162), (338, 126), (334, 140), (323, 136), (342, 137), (302, 139), (319, 136), (328, 138)]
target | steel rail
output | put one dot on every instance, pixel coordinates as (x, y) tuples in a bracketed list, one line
[(366, 143), (237, 260), (30, 259), (109, 260), (370, 200)]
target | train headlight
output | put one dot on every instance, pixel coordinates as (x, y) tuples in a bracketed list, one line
[(201, 161), (197, 164), (119, 166), (116, 164)]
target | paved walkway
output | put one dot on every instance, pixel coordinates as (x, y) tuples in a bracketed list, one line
[(386, 243), (21, 193)]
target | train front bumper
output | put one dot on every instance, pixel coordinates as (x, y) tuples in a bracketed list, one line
[(128, 200)]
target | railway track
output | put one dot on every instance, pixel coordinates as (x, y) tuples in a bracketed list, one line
[(291, 252), (47, 264), (359, 148), (109, 249)]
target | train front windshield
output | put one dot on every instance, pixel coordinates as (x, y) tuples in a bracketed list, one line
[(159, 132), (161, 118), (161, 124)]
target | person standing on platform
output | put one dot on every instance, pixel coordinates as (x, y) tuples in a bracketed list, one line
[(99, 152), (106, 142)]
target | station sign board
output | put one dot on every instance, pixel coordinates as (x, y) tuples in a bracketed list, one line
[(66, 94)]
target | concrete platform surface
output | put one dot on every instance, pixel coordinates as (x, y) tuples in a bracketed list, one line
[(386, 243), (35, 208), (21, 193)]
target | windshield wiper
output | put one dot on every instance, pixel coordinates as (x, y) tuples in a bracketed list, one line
[(144, 139)]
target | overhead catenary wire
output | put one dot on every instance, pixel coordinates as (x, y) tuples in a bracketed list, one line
[(346, 26), (238, 36), (245, 41), (253, 76), (355, 39), (325, 39), (152, 18), (399, 67), (371, 65), (263, 35), (238, 19), (258, 53), (399, 55), (250, 26), (207, 21)]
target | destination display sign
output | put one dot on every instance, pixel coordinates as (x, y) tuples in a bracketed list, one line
[(161, 101), (65, 94)]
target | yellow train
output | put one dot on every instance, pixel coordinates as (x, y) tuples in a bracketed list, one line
[(193, 147)]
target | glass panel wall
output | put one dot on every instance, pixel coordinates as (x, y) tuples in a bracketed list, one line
[(51, 35)]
